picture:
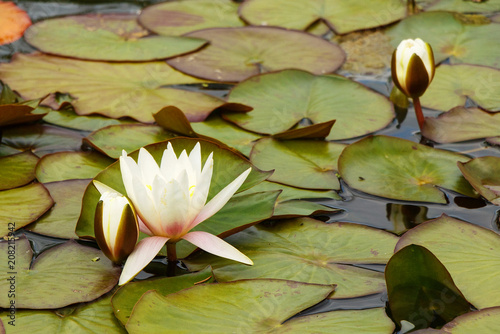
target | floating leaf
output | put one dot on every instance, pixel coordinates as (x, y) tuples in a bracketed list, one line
[(484, 175), (180, 17), (71, 165), (136, 90), (60, 221), (17, 170), (460, 124), (110, 37), (310, 251), (229, 58), (300, 163), (421, 290), (281, 100), (476, 6), (11, 114), (14, 22), (341, 16), (469, 252), (67, 118), (400, 169), (21, 206), (63, 275)]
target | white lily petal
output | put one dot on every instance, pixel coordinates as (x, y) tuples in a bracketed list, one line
[(200, 194), (129, 170), (168, 165), (144, 205), (195, 159), (148, 166), (175, 206), (143, 227), (144, 252), (215, 245), (185, 164)]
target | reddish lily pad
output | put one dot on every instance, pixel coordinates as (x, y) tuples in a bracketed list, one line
[(62, 275), (271, 49), (180, 17), (135, 90), (400, 169), (14, 22), (460, 124), (484, 175), (341, 16), (310, 251), (11, 114), (21, 206), (281, 100), (17, 170)]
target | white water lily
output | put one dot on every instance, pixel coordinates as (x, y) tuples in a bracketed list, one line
[(170, 200)]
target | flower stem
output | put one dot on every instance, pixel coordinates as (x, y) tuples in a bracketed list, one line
[(418, 112), (172, 258)]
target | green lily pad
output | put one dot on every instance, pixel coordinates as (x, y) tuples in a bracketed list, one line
[(306, 164), (126, 297), (460, 124), (400, 169), (462, 6), (180, 17), (60, 221), (271, 49), (310, 251), (108, 37), (17, 170), (71, 165), (469, 252), (451, 37), (67, 118), (454, 84), (341, 16), (83, 318), (111, 140), (245, 306), (281, 100), (135, 90), (60, 276), (21, 206), (484, 175), (421, 290)]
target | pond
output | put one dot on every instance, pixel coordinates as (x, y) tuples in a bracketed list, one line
[(348, 215)]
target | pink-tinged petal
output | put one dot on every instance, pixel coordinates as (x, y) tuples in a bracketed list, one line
[(102, 188), (169, 166), (200, 194), (148, 166), (143, 227), (144, 252), (215, 245), (219, 200)]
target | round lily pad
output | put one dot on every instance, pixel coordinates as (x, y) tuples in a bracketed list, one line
[(400, 169), (180, 17), (281, 100), (484, 321), (341, 16), (135, 90), (67, 118), (109, 37), (18, 113), (477, 6), (469, 252), (235, 54), (484, 175), (310, 251), (65, 274), (17, 170)]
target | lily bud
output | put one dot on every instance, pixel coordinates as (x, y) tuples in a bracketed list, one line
[(413, 67), (115, 224)]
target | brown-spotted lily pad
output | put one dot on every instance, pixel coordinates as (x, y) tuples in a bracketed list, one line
[(484, 175), (281, 100), (341, 16), (136, 90), (180, 17), (400, 169), (109, 37), (235, 54), (17, 170)]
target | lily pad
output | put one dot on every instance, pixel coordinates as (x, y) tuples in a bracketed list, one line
[(14, 22), (460, 124), (454, 84), (478, 6), (126, 297), (136, 90), (310, 251), (400, 169), (67, 118), (469, 252), (341, 16), (281, 100), (484, 175), (108, 37), (71, 165), (300, 163), (244, 306), (18, 113), (21, 206), (63, 275), (235, 54), (180, 17), (17, 170), (60, 221), (451, 37)]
